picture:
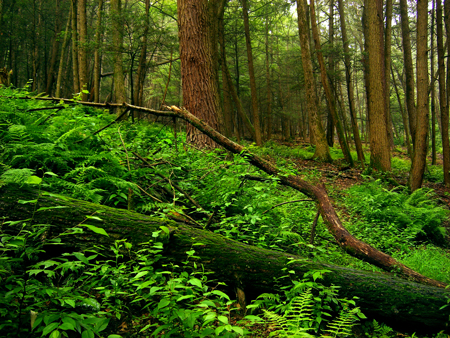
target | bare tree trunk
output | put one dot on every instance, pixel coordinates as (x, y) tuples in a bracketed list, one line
[(407, 57), (140, 78), (75, 73), (326, 86), (119, 79), (420, 144), (379, 143), (197, 69), (322, 152), (387, 67), (227, 108), (268, 83), (255, 109), (82, 48), (37, 41), (350, 93), (404, 117), (97, 57), (63, 50), (55, 45), (444, 94), (433, 88)]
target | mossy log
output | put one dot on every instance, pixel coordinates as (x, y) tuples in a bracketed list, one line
[(397, 301)]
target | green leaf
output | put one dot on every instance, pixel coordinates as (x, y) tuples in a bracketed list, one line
[(26, 202), (67, 326), (196, 282), (185, 297), (219, 330), (223, 319), (163, 303), (253, 318), (71, 302), (48, 208), (55, 334), (220, 294), (114, 336), (165, 229), (238, 329), (34, 180), (95, 229), (87, 334), (94, 217), (81, 257), (49, 328)]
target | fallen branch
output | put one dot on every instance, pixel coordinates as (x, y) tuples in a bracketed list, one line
[(399, 303)]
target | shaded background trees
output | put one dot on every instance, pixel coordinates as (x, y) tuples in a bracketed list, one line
[(129, 50)]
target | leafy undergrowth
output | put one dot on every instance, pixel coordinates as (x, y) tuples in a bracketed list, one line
[(143, 167)]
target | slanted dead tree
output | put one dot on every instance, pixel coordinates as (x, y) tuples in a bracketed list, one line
[(347, 241), (399, 303)]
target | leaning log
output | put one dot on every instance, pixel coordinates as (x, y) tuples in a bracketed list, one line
[(393, 300), (343, 237)]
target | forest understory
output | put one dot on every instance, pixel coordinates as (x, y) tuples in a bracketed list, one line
[(158, 238)]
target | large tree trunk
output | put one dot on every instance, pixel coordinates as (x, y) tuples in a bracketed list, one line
[(420, 142), (63, 50), (322, 152), (326, 87), (387, 67), (140, 78), (396, 301), (197, 69), (379, 144), (75, 66)]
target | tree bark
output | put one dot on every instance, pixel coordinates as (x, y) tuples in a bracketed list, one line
[(117, 36), (326, 86), (97, 57), (75, 66), (140, 78), (82, 48), (61, 59), (398, 302), (420, 143), (433, 87), (322, 151), (443, 93), (387, 67), (227, 109), (251, 71), (198, 77), (407, 57), (268, 83), (350, 92), (379, 143)]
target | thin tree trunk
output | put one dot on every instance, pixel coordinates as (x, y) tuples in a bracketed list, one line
[(404, 117), (117, 36), (408, 64), (140, 78), (326, 86), (97, 56), (227, 105), (331, 67), (433, 88), (444, 95), (387, 67), (350, 93), (251, 71), (63, 50), (37, 41), (268, 83), (55, 45), (82, 48), (75, 68), (322, 151), (420, 145)]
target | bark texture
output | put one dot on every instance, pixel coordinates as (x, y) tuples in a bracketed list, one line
[(398, 302), (379, 144), (322, 152), (119, 79), (350, 91), (199, 81), (443, 91), (420, 141)]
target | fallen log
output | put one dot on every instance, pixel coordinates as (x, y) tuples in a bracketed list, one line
[(347, 241), (393, 300)]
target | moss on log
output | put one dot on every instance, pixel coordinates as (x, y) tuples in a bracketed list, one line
[(384, 296)]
